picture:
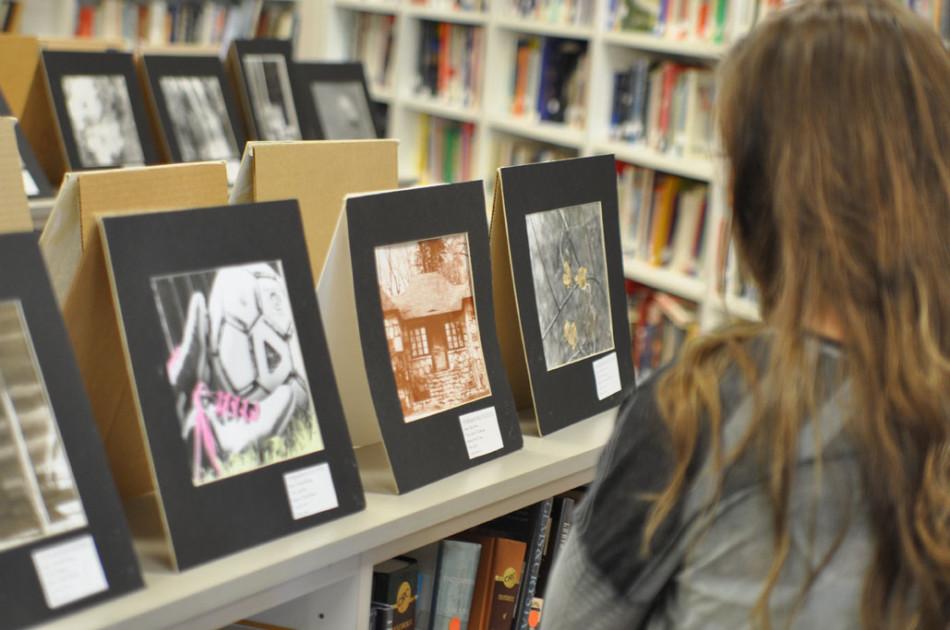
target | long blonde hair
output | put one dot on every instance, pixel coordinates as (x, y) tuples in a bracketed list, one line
[(835, 119)]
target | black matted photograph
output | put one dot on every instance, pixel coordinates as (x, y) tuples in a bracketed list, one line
[(100, 112), (100, 109), (569, 270), (337, 103), (235, 369), (38, 494), (263, 67), (64, 542)]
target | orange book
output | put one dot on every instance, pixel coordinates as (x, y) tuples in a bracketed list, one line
[(663, 219), (500, 568), (444, 59), (521, 79), (85, 21)]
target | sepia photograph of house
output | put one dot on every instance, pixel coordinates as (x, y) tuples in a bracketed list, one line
[(431, 326)]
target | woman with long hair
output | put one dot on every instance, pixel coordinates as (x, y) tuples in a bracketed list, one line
[(796, 473)]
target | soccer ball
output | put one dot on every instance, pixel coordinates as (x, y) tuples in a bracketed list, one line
[(253, 346)]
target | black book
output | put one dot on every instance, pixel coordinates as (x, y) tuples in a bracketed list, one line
[(562, 519), (540, 527), (395, 583)]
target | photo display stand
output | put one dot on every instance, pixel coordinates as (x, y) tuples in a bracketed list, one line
[(100, 112), (64, 544), (319, 175), (334, 101), (194, 109), (407, 304), (14, 211), (232, 379), (35, 183), (559, 292), (73, 251), (262, 71)]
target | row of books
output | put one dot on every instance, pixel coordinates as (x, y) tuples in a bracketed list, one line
[(446, 150), (563, 12), (449, 62), (513, 151), (490, 578), (372, 43), (716, 21), (659, 326), (666, 105), (206, 22), (549, 81), (662, 218), (453, 5)]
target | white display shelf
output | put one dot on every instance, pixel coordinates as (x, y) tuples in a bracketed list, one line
[(337, 558), (554, 133), (381, 94), (742, 308), (652, 43), (541, 27), (673, 282), (454, 16), (369, 6), (641, 155), (436, 107)]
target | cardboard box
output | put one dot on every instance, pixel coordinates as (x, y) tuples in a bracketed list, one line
[(14, 209)]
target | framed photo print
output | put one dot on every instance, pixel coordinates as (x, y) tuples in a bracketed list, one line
[(63, 539), (408, 281), (195, 108), (35, 182), (236, 392), (99, 108), (262, 72), (559, 270), (336, 105)]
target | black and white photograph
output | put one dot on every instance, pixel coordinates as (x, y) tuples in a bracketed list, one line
[(103, 123), (38, 494), (569, 272), (235, 368), (200, 119), (343, 110), (271, 96)]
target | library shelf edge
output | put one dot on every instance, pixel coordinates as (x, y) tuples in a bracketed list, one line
[(702, 169), (440, 108), (553, 133), (541, 27), (366, 6), (674, 282), (652, 43), (454, 16), (334, 562)]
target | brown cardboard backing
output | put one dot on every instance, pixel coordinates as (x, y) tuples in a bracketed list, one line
[(16, 79), (88, 306), (319, 174), (507, 321), (14, 209)]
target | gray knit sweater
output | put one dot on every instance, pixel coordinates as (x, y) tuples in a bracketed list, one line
[(708, 568)]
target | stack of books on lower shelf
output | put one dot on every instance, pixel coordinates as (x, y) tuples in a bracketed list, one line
[(659, 326), (491, 577), (446, 150)]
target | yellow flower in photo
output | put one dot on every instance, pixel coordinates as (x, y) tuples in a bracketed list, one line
[(581, 277), (566, 278), (570, 334)]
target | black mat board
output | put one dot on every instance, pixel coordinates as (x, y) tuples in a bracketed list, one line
[(568, 393), (307, 73), (28, 157), (233, 513), (412, 215), (158, 66), (60, 64), (23, 277)]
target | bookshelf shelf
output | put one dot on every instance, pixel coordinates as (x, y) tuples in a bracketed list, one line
[(332, 564), (369, 6), (553, 133), (652, 43), (437, 107), (382, 94), (678, 284), (694, 168), (540, 27), (447, 15), (743, 308)]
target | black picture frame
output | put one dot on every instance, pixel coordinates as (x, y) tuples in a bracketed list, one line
[(349, 74), (381, 219), (157, 68), (567, 394), (253, 505), (44, 189), (60, 66), (241, 53), (24, 279)]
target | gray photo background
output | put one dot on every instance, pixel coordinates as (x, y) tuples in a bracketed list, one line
[(100, 112), (200, 118), (272, 100), (38, 495), (569, 271), (344, 112)]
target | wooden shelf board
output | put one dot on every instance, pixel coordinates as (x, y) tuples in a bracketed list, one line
[(454, 16), (541, 27), (640, 155), (674, 282), (683, 48), (437, 107), (553, 133), (368, 6)]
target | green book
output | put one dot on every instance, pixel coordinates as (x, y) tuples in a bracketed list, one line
[(454, 584)]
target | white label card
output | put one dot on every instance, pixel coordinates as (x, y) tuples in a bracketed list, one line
[(607, 375), (481, 432), (310, 491), (69, 571)]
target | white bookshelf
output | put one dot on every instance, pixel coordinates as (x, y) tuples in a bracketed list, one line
[(607, 52)]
